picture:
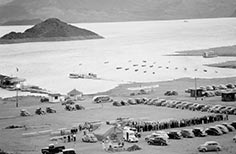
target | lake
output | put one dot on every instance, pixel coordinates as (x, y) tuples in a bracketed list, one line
[(48, 64)]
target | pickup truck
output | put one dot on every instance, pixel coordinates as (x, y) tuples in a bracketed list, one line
[(51, 149)]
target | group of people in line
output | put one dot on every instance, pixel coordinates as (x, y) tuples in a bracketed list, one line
[(143, 126)]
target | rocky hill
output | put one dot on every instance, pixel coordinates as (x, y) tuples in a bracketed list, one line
[(115, 10), (49, 30)]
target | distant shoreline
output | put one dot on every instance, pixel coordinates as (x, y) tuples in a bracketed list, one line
[(225, 51), (50, 39)]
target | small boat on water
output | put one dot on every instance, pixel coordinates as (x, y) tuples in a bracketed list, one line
[(118, 68), (83, 76)]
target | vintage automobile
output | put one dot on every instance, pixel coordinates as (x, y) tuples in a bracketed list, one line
[(162, 134), (157, 141), (230, 127), (210, 146), (223, 129), (199, 132), (187, 133), (51, 149), (214, 131), (174, 134), (68, 151)]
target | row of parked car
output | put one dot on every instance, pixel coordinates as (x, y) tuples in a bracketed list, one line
[(161, 137), (178, 105), (192, 106), (216, 87)]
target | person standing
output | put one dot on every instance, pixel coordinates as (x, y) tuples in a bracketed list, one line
[(104, 146), (74, 137)]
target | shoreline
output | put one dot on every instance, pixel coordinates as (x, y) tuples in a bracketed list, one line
[(136, 86), (53, 39), (223, 51)]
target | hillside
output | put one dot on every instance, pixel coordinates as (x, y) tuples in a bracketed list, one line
[(22, 22), (234, 14), (115, 10), (49, 30)]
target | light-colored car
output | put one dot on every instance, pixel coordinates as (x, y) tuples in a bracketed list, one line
[(162, 134), (68, 151), (210, 146)]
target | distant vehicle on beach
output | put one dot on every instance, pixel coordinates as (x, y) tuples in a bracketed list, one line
[(83, 76), (209, 54)]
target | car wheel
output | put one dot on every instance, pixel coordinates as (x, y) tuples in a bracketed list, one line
[(218, 149), (204, 150)]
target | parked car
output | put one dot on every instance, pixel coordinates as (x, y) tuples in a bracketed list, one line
[(170, 103), (180, 105), (200, 106), (232, 111), (205, 108), (173, 105), (162, 134), (210, 146), (199, 132), (226, 109), (187, 133), (223, 129), (186, 106), (159, 102), (51, 149), (174, 134), (157, 141), (233, 124), (219, 110), (68, 151), (214, 131), (213, 108), (102, 99), (193, 106), (230, 127), (210, 88)]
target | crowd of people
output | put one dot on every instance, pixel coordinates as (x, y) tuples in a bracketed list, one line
[(143, 126)]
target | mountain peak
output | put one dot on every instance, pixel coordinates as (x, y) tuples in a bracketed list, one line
[(51, 29)]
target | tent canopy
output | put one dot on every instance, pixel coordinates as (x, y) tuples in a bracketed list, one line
[(108, 131)]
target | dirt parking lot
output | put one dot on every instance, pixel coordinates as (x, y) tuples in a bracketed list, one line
[(12, 140)]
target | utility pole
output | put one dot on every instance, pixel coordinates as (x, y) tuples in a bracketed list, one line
[(195, 88), (17, 88), (17, 97)]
